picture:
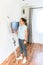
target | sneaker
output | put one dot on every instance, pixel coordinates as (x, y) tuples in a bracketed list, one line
[(24, 61), (20, 58)]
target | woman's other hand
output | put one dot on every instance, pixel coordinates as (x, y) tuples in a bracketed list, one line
[(25, 41)]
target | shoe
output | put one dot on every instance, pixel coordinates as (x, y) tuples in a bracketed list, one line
[(24, 61), (20, 58)]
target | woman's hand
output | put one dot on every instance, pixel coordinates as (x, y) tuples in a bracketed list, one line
[(12, 30), (25, 41), (16, 32)]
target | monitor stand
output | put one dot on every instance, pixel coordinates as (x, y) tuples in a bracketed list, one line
[(15, 51)]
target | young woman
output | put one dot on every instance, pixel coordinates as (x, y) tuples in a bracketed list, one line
[(22, 37)]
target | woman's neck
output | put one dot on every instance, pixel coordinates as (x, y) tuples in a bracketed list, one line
[(22, 24)]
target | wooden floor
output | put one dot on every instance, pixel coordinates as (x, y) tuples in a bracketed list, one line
[(34, 56)]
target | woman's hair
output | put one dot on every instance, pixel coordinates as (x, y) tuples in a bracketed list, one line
[(24, 20)]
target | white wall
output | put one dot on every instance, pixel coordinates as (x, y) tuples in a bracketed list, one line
[(33, 3), (12, 9)]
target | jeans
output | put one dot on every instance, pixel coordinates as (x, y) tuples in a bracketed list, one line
[(22, 47)]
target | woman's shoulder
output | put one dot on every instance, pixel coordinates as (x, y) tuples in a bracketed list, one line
[(25, 26)]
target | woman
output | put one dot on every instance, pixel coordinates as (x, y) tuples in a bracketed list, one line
[(22, 37)]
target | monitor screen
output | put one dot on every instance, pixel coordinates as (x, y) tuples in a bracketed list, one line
[(14, 25)]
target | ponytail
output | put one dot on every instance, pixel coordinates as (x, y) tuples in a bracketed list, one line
[(24, 20)]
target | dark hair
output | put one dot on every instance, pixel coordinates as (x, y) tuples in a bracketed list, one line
[(24, 20)]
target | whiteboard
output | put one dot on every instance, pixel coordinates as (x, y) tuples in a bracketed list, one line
[(37, 20)]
